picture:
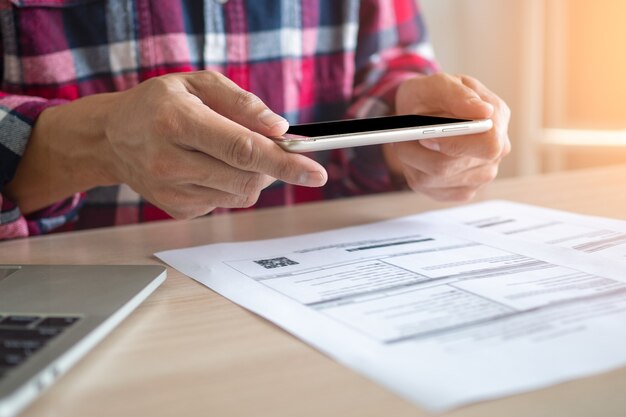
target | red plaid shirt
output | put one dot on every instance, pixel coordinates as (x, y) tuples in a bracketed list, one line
[(308, 60)]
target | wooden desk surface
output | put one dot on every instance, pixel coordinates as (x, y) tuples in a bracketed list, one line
[(188, 351)]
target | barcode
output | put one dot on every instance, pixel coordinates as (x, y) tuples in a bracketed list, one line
[(275, 262)]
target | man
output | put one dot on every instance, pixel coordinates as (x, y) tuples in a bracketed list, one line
[(174, 100)]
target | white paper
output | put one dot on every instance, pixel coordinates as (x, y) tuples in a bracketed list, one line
[(444, 308)]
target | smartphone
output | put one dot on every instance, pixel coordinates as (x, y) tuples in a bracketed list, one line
[(376, 130)]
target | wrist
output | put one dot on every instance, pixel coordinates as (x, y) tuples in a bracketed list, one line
[(82, 123), (67, 153)]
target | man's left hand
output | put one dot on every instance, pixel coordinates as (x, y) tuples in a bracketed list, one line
[(450, 169)]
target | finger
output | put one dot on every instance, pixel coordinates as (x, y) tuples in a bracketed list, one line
[(489, 145), (241, 148), (471, 178), (190, 201), (227, 98), (483, 92), (193, 167), (205, 197), (444, 94), (502, 113), (456, 194), (438, 164), (449, 193)]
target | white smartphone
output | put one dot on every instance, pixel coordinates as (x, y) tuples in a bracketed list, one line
[(376, 130)]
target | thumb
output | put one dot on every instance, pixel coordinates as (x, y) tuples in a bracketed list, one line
[(228, 99)]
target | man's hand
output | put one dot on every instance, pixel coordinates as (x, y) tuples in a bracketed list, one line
[(192, 142), (187, 142), (453, 168)]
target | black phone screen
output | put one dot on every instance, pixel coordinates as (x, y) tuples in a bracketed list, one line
[(345, 127)]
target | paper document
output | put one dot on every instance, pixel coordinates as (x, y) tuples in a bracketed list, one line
[(444, 308)]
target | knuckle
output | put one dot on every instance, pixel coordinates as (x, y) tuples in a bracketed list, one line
[(412, 183), (424, 182), (160, 84), (252, 184), (245, 99), (216, 78), (213, 76), (159, 88), (436, 194), (467, 78), (490, 174), (441, 168), (453, 147), (242, 201), (288, 169), (166, 120), (189, 214), (492, 148), (417, 182), (507, 147), (242, 150), (174, 203), (250, 200), (485, 175), (186, 212), (463, 194), (446, 79), (460, 195), (161, 168), (443, 76), (181, 214), (504, 108), (453, 195)]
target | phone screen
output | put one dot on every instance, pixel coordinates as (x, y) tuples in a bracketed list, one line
[(344, 127)]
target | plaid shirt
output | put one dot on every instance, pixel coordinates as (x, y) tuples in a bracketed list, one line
[(308, 60)]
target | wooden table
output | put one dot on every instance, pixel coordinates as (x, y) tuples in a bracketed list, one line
[(189, 352)]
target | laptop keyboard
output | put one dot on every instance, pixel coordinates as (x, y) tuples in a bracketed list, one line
[(23, 335)]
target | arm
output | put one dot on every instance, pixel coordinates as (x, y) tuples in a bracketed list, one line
[(59, 158), (392, 46), (186, 142), (17, 117)]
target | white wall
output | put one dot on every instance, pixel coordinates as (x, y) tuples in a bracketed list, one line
[(500, 43)]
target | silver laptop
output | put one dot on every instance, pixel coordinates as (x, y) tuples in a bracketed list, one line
[(51, 316)]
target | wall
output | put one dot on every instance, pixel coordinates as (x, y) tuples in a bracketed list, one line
[(500, 42), (585, 64)]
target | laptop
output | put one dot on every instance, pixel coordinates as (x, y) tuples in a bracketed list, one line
[(51, 316)]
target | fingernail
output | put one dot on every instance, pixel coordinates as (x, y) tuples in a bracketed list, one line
[(433, 145), (271, 119), (313, 178)]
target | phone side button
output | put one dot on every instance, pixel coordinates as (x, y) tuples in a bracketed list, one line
[(429, 131), (454, 129)]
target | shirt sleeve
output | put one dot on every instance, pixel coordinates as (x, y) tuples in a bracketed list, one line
[(18, 115), (392, 46)]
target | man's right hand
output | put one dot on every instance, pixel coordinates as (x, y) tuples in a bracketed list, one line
[(186, 142)]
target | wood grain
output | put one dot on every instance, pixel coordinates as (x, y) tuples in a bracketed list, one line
[(188, 351)]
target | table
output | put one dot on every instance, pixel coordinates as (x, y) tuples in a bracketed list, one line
[(188, 351)]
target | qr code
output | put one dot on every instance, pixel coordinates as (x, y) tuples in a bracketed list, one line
[(275, 262)]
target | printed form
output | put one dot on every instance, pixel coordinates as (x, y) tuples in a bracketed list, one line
[(444, 308)]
